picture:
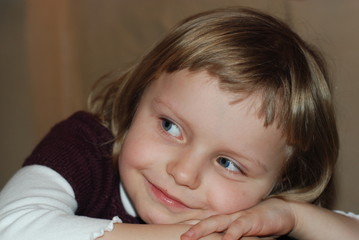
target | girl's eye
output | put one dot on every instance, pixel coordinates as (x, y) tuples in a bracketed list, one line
[(228, 164), (171, 128)]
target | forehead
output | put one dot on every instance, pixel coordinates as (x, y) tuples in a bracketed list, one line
[(202, 92), (228, 121)]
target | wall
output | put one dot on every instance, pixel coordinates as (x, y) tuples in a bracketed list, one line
[(52, 51), (16, 109)]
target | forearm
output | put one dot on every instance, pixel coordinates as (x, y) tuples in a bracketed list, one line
[(150, 231), (155, 232), (42, 224), (39, 204), (316, 223)]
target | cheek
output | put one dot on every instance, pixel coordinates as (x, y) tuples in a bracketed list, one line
[(233, 197), (130, 155), (138, 150), (130, 163)]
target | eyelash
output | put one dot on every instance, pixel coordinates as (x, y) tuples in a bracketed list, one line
[(223, 160), (165, 121)]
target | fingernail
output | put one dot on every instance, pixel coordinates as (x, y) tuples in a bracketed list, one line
[(189, 233)]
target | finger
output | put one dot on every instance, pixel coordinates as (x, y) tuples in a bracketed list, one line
[(190, 222), (240, 227), (247, 226), (207, 226), (258, 238)]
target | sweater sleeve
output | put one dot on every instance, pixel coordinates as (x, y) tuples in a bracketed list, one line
[(38, 203)]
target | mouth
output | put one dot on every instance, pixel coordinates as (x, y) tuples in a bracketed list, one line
[(165, 198)]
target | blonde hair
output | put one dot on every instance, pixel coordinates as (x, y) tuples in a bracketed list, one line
[(249, 52)]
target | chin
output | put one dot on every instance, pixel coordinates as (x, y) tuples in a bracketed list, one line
[(158, 218)]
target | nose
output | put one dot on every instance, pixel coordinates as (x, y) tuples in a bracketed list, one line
[(187, 170)]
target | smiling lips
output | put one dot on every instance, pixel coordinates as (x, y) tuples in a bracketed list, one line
[(165, 198)]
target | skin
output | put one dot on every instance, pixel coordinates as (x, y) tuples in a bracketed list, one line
[(154, 232), (194, 151), (274, 217)]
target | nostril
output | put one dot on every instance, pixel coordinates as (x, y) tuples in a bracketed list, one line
[(184, 174)]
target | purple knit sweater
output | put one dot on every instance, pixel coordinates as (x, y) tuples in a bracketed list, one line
[(79, 149)]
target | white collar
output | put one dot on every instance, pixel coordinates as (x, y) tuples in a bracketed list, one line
[(126, 202)]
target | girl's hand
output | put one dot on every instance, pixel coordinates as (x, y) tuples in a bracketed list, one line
[(271, 217)]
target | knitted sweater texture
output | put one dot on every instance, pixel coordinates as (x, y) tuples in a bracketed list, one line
[(79, 149)]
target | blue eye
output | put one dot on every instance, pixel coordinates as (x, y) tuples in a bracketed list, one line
[(228, 164), (171, 128)]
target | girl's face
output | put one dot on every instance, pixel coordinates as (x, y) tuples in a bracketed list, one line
[(194, 151)]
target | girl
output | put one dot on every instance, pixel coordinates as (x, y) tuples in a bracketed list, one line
[(231, 108)]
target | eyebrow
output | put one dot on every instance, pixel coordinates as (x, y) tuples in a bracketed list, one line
[(157, 101), (258, 163)]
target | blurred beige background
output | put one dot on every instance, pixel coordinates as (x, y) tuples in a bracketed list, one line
[(52, 51)]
